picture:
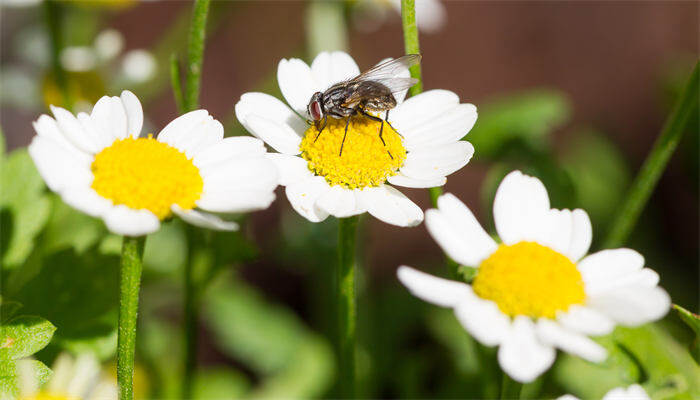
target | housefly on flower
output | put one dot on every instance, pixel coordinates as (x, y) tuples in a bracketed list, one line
[(370, 92)]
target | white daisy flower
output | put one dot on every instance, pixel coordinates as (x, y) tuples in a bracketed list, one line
[(98, 164), (633, 392), (537, 290), (320, 181), (72, 378), (369, 15)]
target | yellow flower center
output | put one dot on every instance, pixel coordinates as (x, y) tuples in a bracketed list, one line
[(365, 160), (146, 174), (529, 279)]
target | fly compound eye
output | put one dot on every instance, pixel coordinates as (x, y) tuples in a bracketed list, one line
[(315, 110)]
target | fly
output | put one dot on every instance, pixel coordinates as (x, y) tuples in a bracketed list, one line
[(371, 91)]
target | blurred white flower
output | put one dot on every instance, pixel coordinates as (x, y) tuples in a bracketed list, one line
[(78, 58), (78, 377), (320, 181), (368, 15), (108, 44), (19, 3), (98, 164), (633, 392), (538, 290), (139, 65)]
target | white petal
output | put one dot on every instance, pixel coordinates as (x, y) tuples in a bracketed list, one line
[(633, 305), (603, 269), (329, 68), (520, 207), (296, 83), (483, 320), (101, 140), (303, 196), (204, 220), (403, 180), (438, 161), (59, 167), (459, 234), (633, 392), (47, 127), (521, 355), (271, 108), (236, 147), (391, 206), (339, 202), (236, 201), (291, 169), (73, 130), (109, 119), (422, 108), (206, 135), (255, 173), (586, 320), (87, 200), (553, 334), (182, 126), (438, 291), (279, 136), (581, 235), (134, 113), (125, 221), (448, 126), (568, 397)]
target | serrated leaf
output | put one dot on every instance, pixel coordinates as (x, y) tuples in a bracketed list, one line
[(24, 335), (40, 372)]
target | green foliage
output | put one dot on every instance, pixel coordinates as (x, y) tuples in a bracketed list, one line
[(217, 383), (693, 321)]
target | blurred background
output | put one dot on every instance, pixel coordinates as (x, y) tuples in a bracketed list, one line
[(572, 92)]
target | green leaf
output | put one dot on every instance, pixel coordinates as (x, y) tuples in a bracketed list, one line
[(24, 335), (693, 320), (40, 372), (19, 179), (166, 250), (69, 228), (26, 223), (528, 116), (467, 273), (8, 309)]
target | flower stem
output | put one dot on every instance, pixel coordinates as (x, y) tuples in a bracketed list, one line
[(510, 389), (54, 23), (195, 54), (347, 305), (412, 46), (326, 28), (655, 163), (130, 281)]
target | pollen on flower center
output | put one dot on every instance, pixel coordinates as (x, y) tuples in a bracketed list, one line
[(529, 279), (146, 174), (365, 160)]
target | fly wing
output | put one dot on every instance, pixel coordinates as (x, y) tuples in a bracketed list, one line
[(391, 73)]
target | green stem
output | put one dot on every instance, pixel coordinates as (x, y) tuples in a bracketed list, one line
[(510, 389), (347, 305), (655, 163), (195, 54), (130, 281), (54, 23), (326, 28), (412, 46), (175, 81)]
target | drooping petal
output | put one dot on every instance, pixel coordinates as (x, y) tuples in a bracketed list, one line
[(405, 181), (437, 161), (483, 320), (459, 234), (586, 320), (271, 108), (87, 200), (521, 355), (339, 202), (303, 196), (391, 206), (204, 220), (60, 168), (123, 220), (553, 334), (438, 291), (519, 208), (329, 68), (296, 83)]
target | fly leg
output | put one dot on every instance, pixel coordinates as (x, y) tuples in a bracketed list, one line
[(381, 128), (347, 124), (325, 121), (386, 118)]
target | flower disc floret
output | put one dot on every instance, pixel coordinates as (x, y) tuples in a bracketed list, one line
[(529, 279), (146, 174), (365, 160)]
